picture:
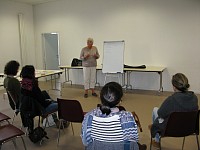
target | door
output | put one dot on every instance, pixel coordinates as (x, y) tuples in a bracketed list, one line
[(51, 51)]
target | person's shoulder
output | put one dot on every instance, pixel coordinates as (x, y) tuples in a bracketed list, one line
[(12, 80), (6, 79), (84, 48), (170, 99), (94, 47), (126, 116), (124, 113), (93, 112)]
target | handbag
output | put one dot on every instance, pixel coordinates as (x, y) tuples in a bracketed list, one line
[(37, 135), (76, 62)]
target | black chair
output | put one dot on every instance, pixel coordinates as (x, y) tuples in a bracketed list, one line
[(69, 110), (181, 124)]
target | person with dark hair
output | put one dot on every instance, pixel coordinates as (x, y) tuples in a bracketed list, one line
[(181, 100), (29, 87), (12, 84), (107, 123)]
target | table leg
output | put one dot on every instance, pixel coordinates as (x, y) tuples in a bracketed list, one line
[(67, 77), (128, 86), (161, 87), (53, 87), (123, 80), (97, 83)]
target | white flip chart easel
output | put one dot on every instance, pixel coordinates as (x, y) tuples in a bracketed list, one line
[(113, 59)]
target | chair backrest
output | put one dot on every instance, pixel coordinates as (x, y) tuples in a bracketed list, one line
[(70, 110), (182, 124), (98, 145), (12, 99)]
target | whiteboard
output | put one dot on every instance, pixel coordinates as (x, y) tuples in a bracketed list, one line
[(113, 57)]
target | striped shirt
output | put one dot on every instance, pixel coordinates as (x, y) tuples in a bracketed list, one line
[(118, 126)]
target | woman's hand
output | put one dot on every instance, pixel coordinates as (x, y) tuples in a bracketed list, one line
[(87, 56)]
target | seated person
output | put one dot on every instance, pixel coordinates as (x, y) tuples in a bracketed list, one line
[(180, 100), (29, 87), (113, 124), (12, 84)]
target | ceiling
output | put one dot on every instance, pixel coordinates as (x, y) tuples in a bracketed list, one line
[(33, 2)]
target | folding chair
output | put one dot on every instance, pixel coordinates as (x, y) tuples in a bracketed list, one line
[(69, 110), (9, 132), (12, 98), (4, 118), (181, 124)]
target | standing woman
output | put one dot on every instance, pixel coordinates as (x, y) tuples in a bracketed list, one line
[(89, 56)]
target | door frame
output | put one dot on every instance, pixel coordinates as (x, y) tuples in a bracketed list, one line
[(44, 49)]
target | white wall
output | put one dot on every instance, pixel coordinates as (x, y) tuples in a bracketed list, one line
[(156, 32), (9, 29)]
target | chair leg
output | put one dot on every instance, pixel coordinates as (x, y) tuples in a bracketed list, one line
[(151, 143), (183, 143), (72, 128), (4, 96), (58, 138), (41, 141), (13, 118), (14, 142), (47, 121), (23, 142), (160, 144), (197, 142), (61, 123)]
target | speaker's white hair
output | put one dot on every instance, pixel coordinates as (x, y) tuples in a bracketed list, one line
[(90, 39)]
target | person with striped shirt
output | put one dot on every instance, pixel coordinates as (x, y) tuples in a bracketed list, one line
[(107, 123)]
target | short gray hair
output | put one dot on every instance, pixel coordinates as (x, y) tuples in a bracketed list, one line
[(90, 39)]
